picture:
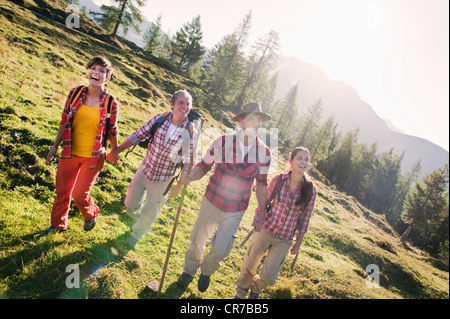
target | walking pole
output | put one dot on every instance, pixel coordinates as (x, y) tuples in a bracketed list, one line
[(180, 205), (294, 261), (296, 255), (247, 238)]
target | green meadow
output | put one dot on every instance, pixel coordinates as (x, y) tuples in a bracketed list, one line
[(40, 61)]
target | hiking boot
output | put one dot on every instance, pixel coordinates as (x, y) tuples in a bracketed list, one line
[(89, 224), (53, 229), (203, 283), (184, 280), (253, 295)]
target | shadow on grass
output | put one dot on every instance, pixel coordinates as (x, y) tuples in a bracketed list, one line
[(49, 279), (173, 291)]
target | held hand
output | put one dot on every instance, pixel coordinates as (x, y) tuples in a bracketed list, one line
[(50, 155), (295, 248), (258, 221), (112, 157), (185, 179)]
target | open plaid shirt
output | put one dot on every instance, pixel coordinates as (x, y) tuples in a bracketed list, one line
[(160, 160), (67, 120), (230, 187), (281, 220)]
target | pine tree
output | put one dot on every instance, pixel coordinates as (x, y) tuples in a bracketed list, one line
[(361, 173), (125, 13), (265, 54), (225, 62), (288, 115), (404, 185), (152, 36), (385, 180), (309, 121), (426, 206), (337, 166), (186, 48), (322, 138)]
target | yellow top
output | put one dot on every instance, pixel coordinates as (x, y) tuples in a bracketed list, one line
[(84, 130)]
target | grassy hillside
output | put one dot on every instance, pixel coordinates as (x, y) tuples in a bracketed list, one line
[(40, 60)]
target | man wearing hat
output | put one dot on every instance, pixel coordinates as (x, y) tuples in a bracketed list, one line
[(239, 158)]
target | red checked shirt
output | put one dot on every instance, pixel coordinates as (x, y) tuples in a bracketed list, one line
[(281, 220), (230, 186), (161, 159), (67, 119)]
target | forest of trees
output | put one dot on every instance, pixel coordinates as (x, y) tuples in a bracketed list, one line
[(235, 72)]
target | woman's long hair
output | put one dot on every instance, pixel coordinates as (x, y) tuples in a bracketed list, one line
[(306, 191)]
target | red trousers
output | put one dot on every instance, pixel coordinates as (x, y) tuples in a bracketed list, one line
[(74, 178)]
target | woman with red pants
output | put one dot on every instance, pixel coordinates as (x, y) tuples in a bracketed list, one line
[(86, 124)]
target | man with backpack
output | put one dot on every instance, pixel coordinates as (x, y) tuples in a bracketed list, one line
[(240, 159), (170, 147)]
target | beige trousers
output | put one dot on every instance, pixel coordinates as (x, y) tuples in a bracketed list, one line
[(222, 242), (262, 242), (144, 209)]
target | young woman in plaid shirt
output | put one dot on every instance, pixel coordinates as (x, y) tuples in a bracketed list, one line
[(82, 131), (290, 211)]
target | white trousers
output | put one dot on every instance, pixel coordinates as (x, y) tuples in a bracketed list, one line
[(144, 209), (222, 242)]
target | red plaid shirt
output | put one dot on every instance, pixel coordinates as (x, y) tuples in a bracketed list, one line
[(67, 120), (281, 220), (230, 187), (160, 160)]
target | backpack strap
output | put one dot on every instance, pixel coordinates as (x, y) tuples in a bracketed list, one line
[(109, 99), (76, 95), (275, 192), (157, 124), (151, 134)]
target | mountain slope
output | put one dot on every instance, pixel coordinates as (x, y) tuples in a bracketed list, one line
[(351, 112), (40, 60)]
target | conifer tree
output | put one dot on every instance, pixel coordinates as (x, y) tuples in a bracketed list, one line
[(309, 121), (186, 48), (426, 206), (385, 180), (152, 36), (125, 13), (288, 114), (225, 63), (336, 166), (322, 138), (263, 58)]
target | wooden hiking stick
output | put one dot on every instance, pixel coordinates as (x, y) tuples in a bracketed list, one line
[(180, 205), (247, 238), (166, 262), (294, 261)]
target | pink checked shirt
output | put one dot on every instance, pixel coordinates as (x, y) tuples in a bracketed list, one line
[(281, 221), (160, 160)]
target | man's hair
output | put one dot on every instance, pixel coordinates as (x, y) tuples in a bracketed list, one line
[(178, 93)]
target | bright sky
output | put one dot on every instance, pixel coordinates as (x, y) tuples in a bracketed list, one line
[(395, 53)]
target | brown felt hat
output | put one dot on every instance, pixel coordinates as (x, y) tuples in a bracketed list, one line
[(252, 108)]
